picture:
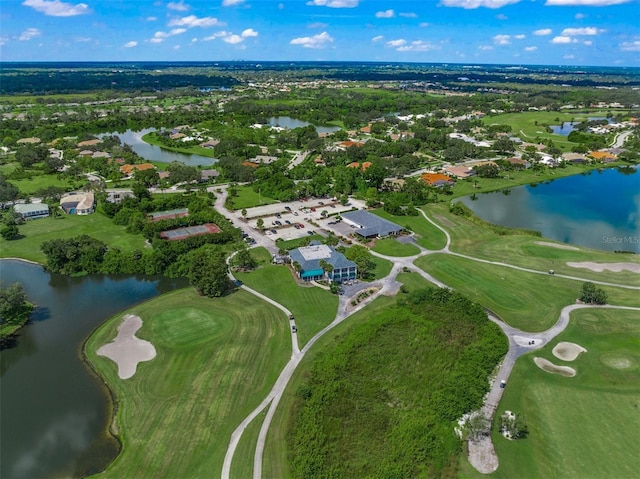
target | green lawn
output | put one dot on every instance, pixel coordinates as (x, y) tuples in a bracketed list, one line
[(528, 301), (524, 177), (581, 427), (312, 307), (216, 360), (382, 269), (297, 242), (413, 281), (247, 198), (37, 231), (524, 125), (190, 150), (427, 235), (524, 250), (242, 464), (392, 247), (30, 185)]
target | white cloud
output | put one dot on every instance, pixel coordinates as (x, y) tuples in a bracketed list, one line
[(588, 43), (502, 16), (585, 3), (29, 33), (418, 46), (424, 24), (231, 3), (4, 40), (159, 37), (233, 39), (151, 19), (176, 47), (568, 32), (194, 40), (630, 46), (580, 16), (519, 37), (178, 6), (530, 49), (317, 41), (130, 44), (408, 14), (569, 57), (396, 43), (502, 39), (221, 34), (317, 25), (249, 32), (543, 31), (334, 4), (56, 8), (377, 39), (386, 14), (561, 40), (485, 47), (193, 21), (469, 4)]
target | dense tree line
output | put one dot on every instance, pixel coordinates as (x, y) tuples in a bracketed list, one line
[(382, 401)]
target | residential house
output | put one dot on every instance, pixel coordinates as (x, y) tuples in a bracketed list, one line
[(128, 169), (81, 203), (460, 172), (118, 195), (438, 179), (32, 211), (208, 175), (519, 163)]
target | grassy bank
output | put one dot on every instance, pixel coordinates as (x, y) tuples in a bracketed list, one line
[(216, 359), (392, 247), (580, 427), (36, 232), (427, 235), (528, 251), (247, 198), (528, 301), (152, 139), (511, 179), (313, 307)]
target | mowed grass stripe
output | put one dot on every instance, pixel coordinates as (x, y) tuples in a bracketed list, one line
[(584, 426), (528, 301), (177, 413), (313, 307)]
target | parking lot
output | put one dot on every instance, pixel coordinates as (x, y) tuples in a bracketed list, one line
[(293, 219)]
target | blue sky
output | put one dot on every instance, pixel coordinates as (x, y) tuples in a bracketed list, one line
[(550, 32)]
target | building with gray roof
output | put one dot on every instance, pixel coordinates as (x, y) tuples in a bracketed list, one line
[(31, 211), (310, 257), (369, 225)]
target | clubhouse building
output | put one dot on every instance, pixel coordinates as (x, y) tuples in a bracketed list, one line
[(312, 261), (369, 225)]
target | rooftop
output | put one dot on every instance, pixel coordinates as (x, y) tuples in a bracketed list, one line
[(370, 224)]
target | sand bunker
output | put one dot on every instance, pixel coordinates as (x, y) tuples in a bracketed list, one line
[(126, 350), (567, 351), (600, 267), (527, 341), (549, 367), (556, 245)]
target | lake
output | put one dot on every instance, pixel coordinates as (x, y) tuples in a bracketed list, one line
[(155, 153), (567, 127), (291, 123), (55, 411), (599, 209)]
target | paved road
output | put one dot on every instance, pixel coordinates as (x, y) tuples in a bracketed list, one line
[(481, 453), (620, 138)]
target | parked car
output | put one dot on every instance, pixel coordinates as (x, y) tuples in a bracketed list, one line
[(279, 223), (300, 225), (288, 208), (295, 213), (287, 222), (274, 232), (310, 233)]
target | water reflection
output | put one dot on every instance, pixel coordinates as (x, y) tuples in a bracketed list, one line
[(54, 412), (594, 210)]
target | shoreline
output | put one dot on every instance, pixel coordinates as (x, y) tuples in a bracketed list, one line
[(23, 260)]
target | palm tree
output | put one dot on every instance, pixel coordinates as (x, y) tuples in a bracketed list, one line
[(297, 268)]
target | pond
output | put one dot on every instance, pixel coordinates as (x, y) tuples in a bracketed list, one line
[(567, 127), (54, 410), (155, 153), (599, 209), (291, 123)]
